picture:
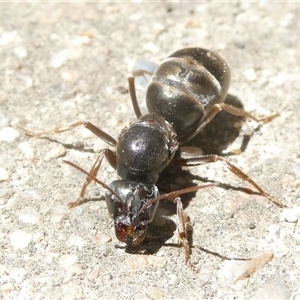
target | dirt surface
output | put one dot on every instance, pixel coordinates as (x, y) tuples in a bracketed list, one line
[(66, 62)]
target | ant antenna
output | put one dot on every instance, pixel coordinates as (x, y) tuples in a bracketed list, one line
[(173, 195), (98, 181)]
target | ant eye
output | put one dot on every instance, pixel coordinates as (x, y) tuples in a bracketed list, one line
[(118, 210), (114, 206)]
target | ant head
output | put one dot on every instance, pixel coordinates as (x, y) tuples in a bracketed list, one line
[(130, 220)]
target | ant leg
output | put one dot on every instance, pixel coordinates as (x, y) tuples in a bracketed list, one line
[(182, 220), (196, 161), (182, 231), (111, 158), (239, 112), (132, 90), (91, 127)]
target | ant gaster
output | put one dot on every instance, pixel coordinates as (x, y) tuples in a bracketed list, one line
[(185, 93)]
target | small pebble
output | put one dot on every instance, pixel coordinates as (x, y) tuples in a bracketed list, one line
[(87, 222), (138, 263), (18, 275), (58, 151), (48, 259), (20, 239), (156, 293), (250, 74), (156, 261), (173, 279), (151, 47), (70, 75), (75, 241), (59, 59), (5, 194), (279, 79), (274, 229), (20, 52), (102, 239), (3, 119), (2, 269), (87, 33), (141, 296), (26, 80), (130, 288), (75, 270), (27, 150), (94, 274), (7, 287), (8, 37), (3, 174), (81, 40), (66, 261), (58, 213), (9, 134), (289, 215), (37, 236), (251, 225), (29, 215)]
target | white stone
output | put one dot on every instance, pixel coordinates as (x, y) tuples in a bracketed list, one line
[(20, 51), (173, 279), (27, 80), (55, 153), (9, 134), (250, 74), (75, 241), (3, 119), (20, 239), (59, 59), (29, 215), (3, 174), (289, 215), (66, 261), (8, 37), (18, 274), (27, 150)]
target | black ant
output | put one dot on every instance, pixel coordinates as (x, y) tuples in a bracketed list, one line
[(185, 93)]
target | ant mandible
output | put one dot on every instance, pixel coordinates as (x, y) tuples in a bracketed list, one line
[(185, 93)]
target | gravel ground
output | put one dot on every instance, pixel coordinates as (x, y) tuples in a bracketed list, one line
[(67, 62)]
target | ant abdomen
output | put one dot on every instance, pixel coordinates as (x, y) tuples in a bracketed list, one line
[(185, 87)]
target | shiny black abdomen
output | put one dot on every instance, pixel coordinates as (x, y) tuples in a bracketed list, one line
[(185, 87)]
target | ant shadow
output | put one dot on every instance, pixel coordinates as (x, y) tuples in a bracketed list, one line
[(213, 139), (223, 129), (157, 238)]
